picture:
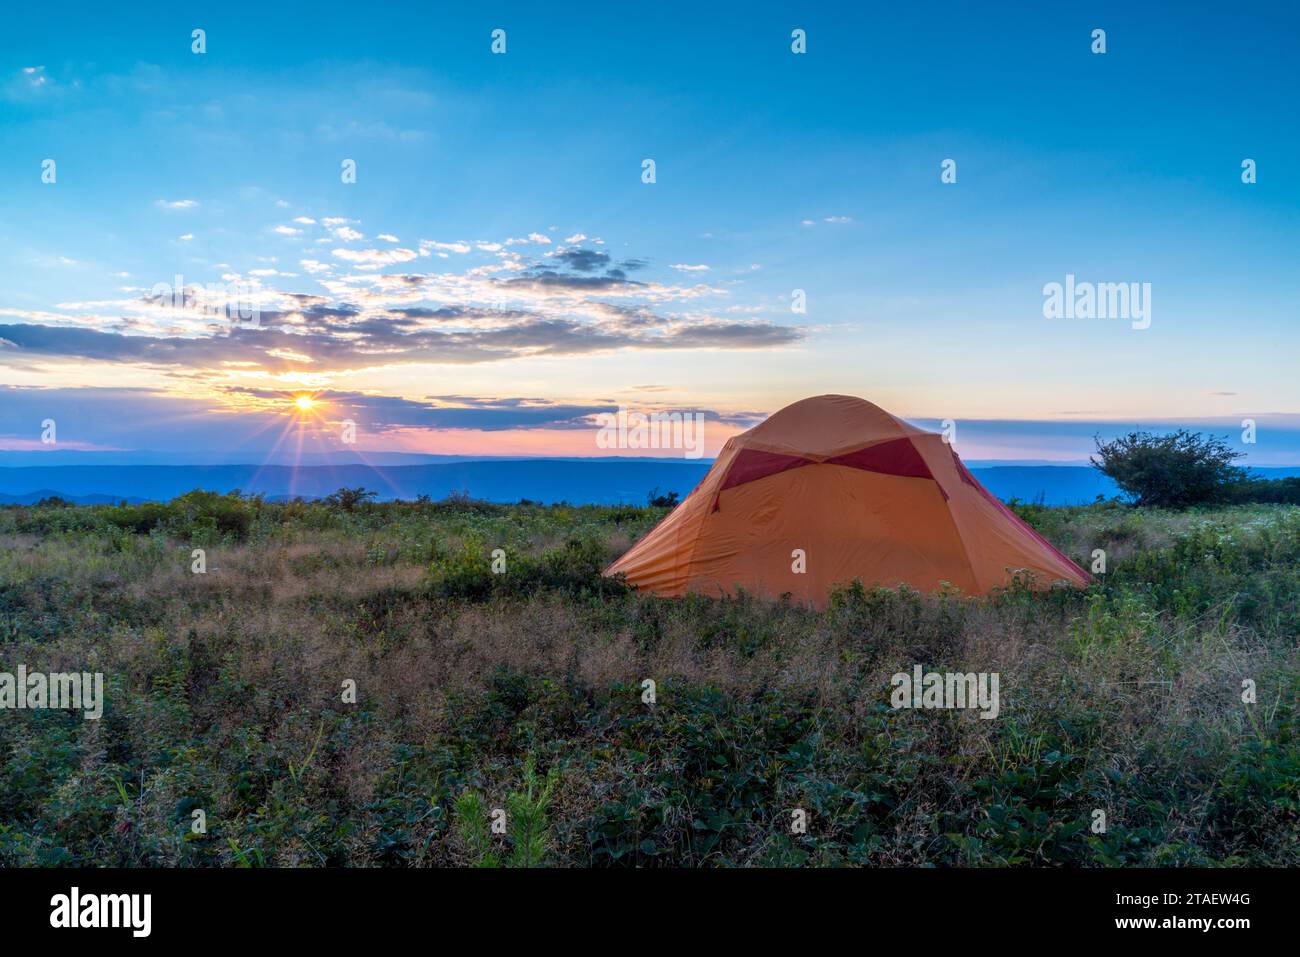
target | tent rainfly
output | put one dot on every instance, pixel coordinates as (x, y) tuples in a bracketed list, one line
[(833, 489)]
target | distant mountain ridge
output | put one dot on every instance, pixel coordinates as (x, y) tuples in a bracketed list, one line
[(578, 481), (31, 498), (544, 480)]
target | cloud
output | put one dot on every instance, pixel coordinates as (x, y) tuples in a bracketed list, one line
[(685, 268), (243, 420), (428, 245), (342, 337), (305, 220), (385, 413), (364, 313), (553, 281), (288, 231), (108, 417), (29, 84), (582, 260), (374, 258), (177, 204), (347, 234)]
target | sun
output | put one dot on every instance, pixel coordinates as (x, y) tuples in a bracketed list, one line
[(304, 403)]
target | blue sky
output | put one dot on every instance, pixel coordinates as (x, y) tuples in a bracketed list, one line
[(499, 272)]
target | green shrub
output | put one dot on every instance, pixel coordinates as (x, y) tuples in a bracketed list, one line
[(1169, 471), (530, 839), (574, 569)]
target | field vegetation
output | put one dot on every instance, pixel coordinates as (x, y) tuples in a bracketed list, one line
[(225, 694)]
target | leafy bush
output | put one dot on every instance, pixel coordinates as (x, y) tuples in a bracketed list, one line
[(1283, 491), (1169, 471), (576, 569), (194, 516), (655, 500), (349, 499)]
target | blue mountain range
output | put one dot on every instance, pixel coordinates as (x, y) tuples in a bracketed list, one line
[(606, 481)]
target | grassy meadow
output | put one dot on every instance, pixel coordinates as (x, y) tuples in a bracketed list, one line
[(522, 691)]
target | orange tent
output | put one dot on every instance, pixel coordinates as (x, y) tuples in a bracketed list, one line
[(833, 489)]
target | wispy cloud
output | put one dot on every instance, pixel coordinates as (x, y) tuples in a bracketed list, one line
[(571, 301)]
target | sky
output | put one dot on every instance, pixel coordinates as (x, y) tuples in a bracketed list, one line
[(500, 271)]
